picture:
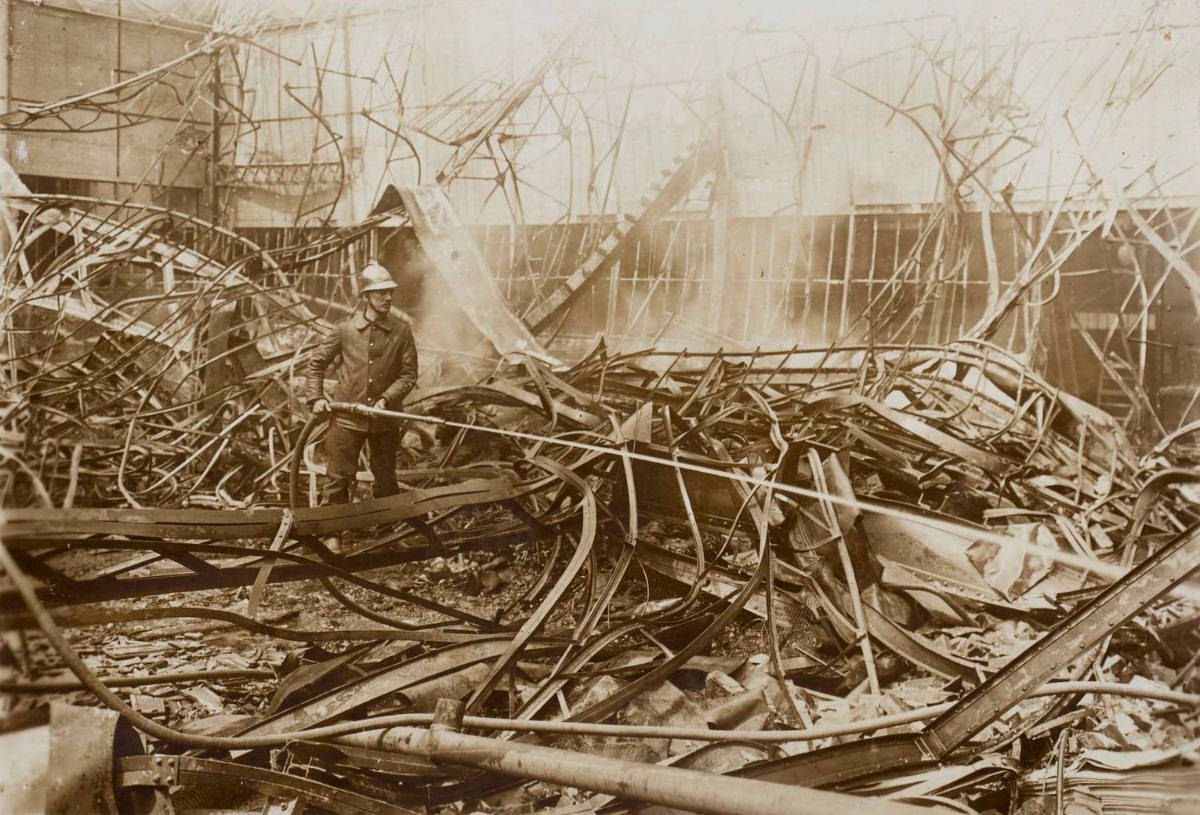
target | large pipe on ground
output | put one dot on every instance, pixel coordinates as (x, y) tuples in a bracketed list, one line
[(58, 759), (682, 789)]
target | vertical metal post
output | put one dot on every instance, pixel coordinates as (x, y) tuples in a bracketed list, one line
[(844, 317), (720, 199), (749, 263), (773, 305), (874, 252), (117, 130), (720, 243), (896, 247), (806, 314), (214, 201), (351, 201), (614, 292), (789, 277), (833, 222)]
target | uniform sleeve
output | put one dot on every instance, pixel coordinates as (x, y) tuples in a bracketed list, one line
[(404, 370), (314, 374)]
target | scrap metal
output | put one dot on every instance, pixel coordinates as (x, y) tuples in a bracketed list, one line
[(687, 168), (1008, 461), (458, 260), (924, 542)]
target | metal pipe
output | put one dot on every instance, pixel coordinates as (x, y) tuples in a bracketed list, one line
[(688, 790)]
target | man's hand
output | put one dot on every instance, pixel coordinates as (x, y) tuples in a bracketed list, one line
[(380, 404), (320, 406)]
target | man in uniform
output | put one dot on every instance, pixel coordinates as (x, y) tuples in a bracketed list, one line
[(378, 368)]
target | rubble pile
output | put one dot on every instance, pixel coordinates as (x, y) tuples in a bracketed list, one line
[(885, 577), (149, 355), (891, 571)]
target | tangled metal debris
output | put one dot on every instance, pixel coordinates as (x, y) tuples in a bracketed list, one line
[(655, 581), (934, 542)]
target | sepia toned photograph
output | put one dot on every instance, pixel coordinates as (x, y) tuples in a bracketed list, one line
[(599, 407)]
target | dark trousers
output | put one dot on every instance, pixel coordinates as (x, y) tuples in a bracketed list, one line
[(342, 447)]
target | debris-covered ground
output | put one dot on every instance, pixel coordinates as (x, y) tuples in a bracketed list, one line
[(909, 570), (891, 572)]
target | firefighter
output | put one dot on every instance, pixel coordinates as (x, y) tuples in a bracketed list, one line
[(378, 368)]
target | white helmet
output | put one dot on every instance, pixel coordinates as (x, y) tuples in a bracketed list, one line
[(376, 278)]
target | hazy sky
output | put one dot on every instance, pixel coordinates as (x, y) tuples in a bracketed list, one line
[(784, 13)]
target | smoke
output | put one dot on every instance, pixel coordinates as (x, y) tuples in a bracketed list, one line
[(449, 344)]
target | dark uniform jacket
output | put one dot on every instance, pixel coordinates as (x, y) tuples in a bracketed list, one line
[(379, 359)]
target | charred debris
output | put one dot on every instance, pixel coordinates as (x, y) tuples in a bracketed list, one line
[(906, 567)]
